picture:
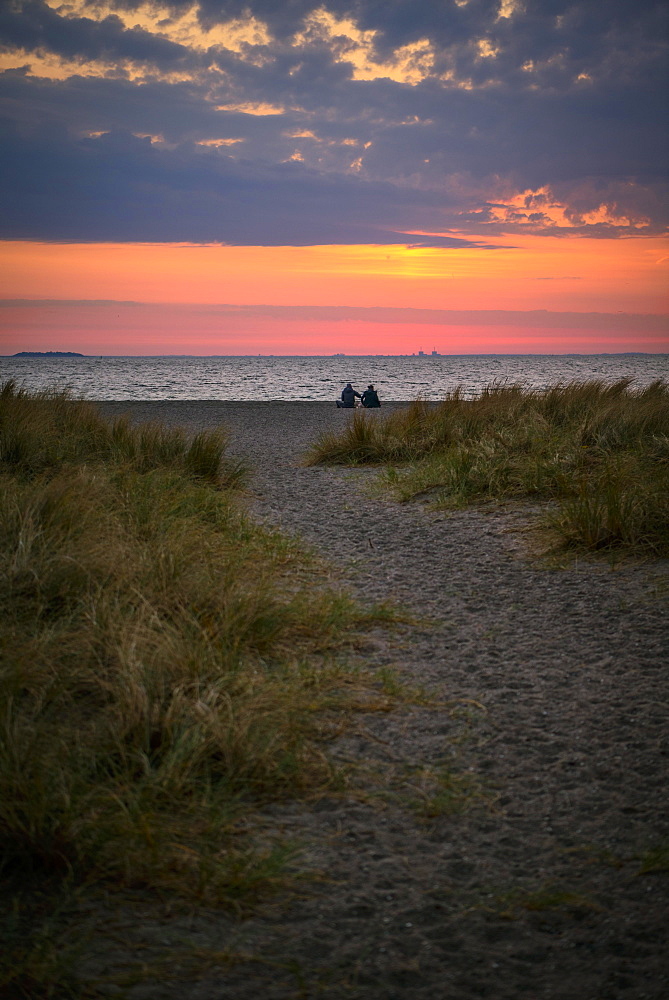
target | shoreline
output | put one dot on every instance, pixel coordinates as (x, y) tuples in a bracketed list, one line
[(318, 379)]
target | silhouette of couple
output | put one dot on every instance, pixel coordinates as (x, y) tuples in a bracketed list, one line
[(369, 398)]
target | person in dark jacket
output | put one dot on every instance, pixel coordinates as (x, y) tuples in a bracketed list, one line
[(370, 397), (348, 396)]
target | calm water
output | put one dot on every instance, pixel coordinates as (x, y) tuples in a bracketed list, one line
[(322, 378)]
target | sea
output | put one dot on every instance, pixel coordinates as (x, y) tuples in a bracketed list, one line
[(257, 378)]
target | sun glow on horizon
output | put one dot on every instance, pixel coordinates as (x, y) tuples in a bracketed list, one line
[(175, 283), (528, 272)]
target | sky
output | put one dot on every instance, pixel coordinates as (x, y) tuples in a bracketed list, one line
[(358, 176)]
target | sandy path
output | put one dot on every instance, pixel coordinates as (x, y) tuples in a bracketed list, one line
[(535, 892)]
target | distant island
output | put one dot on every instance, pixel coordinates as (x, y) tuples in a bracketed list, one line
[(48, 354)]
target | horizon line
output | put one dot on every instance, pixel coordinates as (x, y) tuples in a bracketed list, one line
[(415, 354)]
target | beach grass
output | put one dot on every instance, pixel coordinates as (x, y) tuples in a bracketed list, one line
[(167, 667), (598, 451)]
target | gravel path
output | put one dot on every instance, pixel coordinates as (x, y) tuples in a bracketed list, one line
[(551, 722)]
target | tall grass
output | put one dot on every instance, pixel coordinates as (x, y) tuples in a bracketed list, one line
[(48, 430), (601, 450), (157, 672)]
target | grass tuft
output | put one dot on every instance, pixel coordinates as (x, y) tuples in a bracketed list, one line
[(600, 450), (655, 859), (445, 792), (545, 898), (158, 670)]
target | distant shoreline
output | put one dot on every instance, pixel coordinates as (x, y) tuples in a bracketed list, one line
[(427, 357)]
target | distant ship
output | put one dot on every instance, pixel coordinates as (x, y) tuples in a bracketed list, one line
[(433, 354)]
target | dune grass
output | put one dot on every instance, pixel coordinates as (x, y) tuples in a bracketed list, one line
[(600, 450), (165, 664)]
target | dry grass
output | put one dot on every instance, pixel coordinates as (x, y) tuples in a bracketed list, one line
[(601, 450), (165, 664)]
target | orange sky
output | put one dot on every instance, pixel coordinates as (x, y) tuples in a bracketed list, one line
[(525, 273)]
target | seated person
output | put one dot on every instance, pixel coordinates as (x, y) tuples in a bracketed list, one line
[(370, 397), (348, 395)]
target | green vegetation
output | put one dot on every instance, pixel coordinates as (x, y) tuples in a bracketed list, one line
[(655, 859), (546, 897), (600, 450), (165, 664), (445, 792)]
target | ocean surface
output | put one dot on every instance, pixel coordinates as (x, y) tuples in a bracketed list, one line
[(318, 378)]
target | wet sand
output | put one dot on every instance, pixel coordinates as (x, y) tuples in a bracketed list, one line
[(552, 689)]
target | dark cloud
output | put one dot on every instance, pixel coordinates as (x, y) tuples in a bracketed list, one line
[(120, 187), (563, 99), (535, 318), (33, 26), (523, 318)]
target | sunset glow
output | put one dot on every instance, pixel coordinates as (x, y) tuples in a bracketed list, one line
[(492, 161), (119, 298), (527, 273)]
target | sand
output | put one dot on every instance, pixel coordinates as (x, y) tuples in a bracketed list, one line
[(552, 685)]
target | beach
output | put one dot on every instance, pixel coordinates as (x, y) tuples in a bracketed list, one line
[(545, 714)]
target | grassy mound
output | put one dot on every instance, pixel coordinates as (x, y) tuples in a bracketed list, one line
[(157, 676), (601, 450)]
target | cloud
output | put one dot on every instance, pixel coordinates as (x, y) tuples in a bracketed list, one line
[(130, 120), (119, 187), (34, 26), (517, 318)]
